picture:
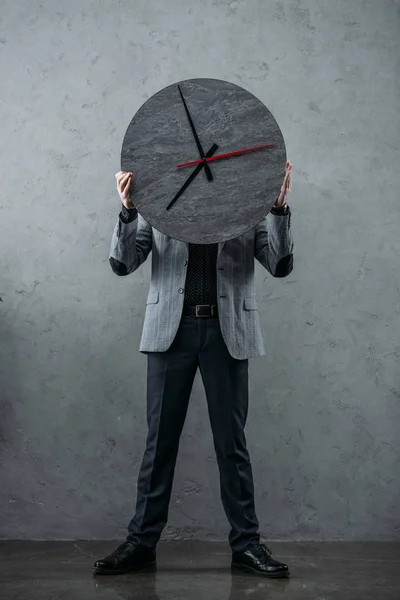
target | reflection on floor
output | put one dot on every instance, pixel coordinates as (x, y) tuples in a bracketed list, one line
[(197, 570)]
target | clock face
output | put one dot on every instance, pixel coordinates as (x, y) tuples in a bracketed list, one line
[(216, 197)]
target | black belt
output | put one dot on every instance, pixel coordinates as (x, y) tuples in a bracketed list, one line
[(201, 310)]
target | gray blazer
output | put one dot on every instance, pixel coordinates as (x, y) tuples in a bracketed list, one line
[(270, 242)]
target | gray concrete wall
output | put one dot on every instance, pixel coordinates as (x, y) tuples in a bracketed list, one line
[(323, 427)]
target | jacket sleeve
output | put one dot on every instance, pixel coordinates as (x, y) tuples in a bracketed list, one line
[(131, 244), (273, 245)]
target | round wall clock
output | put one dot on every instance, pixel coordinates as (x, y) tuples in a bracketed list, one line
[(208, 160)]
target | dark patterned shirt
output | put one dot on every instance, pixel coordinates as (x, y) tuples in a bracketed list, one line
[(201, 277)]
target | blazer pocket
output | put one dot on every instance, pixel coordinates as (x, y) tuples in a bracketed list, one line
[(152, 297), (250, 304)]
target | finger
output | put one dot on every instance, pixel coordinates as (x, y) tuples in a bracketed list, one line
[(121, 185), (119, 177), (121, 174), (126, 176), (125, 182), (128, 185)]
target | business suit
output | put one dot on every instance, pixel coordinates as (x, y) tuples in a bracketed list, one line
[(177, 345), (270, 243)]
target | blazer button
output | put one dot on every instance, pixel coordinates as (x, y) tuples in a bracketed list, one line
[(181, 290), (185, 263)]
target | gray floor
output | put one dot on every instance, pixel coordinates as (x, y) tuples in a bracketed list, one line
[(196, 570)]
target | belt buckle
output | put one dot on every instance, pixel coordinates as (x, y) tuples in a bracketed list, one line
[(198, 306)]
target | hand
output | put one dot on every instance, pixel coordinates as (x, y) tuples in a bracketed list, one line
[(286, 186), (124, 179)]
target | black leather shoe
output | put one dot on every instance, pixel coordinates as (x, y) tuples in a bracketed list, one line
[(257, 559), (127, 557)]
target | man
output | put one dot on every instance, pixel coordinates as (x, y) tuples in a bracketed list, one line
[(201, 312)]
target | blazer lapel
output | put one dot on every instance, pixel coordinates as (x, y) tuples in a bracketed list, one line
[(180, 248), (220, 247)]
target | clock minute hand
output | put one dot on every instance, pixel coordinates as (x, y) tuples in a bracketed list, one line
[(196, 137), (221, 156), (189, 180)]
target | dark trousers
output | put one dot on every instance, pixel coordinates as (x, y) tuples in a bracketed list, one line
[(170, 375)]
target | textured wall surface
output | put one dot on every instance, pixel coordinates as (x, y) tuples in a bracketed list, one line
[(323, 427)]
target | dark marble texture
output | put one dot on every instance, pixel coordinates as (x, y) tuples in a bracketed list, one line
[(244, 188), (201, 570)]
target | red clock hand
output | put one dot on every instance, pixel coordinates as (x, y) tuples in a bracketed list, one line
[(220, 156)]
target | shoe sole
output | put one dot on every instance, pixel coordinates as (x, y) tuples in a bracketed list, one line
[(246, 569), (133, 569)]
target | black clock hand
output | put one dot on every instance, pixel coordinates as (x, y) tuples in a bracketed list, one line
[(189, 180), (196, 137)]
